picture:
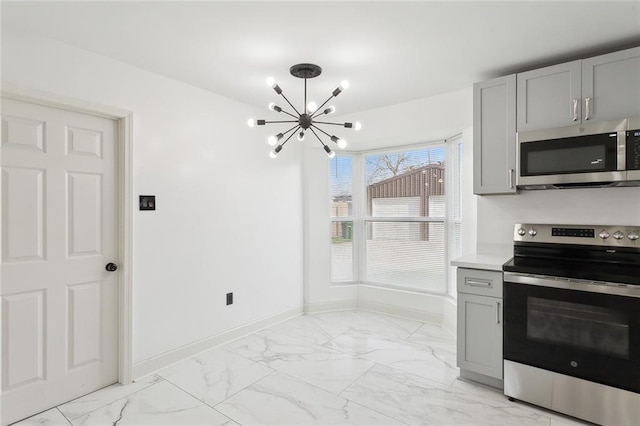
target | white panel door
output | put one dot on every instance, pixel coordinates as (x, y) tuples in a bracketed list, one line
[(59, 304)]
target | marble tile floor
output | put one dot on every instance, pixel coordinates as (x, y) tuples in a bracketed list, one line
[(335, 368)]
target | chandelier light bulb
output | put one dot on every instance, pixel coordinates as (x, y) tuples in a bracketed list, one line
[(342, 144), (358, 126), (272, 106), (312, 106), (330, 153), (301, 135), (274, 153), (330, 110), (344, 85), (272, 140), (271, 81), (251, 122)]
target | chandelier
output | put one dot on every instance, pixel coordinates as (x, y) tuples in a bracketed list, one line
[(307, 121)]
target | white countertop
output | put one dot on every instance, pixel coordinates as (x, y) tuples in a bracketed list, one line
[(490, 262)]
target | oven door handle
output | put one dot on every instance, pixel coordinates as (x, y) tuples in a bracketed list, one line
[(629, 290)]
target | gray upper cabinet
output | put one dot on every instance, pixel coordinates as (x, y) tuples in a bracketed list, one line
[(549, 97), (494, 132), (611, 83), (605, 87)]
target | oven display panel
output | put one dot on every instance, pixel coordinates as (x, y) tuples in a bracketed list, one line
[(573, 232)]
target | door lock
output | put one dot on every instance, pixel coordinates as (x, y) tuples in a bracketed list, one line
[(111, 267)]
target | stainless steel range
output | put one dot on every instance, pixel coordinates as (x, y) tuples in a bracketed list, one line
[(572, 320)]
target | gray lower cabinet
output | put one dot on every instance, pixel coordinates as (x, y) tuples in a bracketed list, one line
[(494, 136), (479, 351)]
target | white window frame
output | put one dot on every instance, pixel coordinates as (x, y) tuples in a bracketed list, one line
[(355, 213), (453, 180), (360, 219)]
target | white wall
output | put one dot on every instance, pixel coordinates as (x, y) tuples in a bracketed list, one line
[(229, 218), (469, 200), (423, 120), (420, 121), (598, 206)]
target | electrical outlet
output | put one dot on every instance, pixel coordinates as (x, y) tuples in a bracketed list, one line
[(229, 298)]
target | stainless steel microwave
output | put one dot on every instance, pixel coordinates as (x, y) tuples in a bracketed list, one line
[(585, 155)]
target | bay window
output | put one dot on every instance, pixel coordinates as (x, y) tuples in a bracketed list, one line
[(395, 216)]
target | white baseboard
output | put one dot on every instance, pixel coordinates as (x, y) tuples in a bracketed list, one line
[(405, 303), (151, 365), (450, 315), (340, 305), (430, 308), (400, 311)]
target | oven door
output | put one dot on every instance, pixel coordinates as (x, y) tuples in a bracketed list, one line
[(590, 335)]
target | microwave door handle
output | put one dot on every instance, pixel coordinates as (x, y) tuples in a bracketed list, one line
[(587, 108), (576, 102)]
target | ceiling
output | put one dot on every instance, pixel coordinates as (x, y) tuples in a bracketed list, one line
[(391, 52)]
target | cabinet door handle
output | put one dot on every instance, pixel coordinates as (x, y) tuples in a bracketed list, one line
[(476, 283), (576, 102), (511, 172), (497, 312), (587, 108)]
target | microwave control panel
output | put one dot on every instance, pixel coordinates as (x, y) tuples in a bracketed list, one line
[(633, 149)]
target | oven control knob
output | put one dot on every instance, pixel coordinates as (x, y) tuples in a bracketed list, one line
[(618, 235), (533, 232), (603, 235), (633, 235), (521, 232)]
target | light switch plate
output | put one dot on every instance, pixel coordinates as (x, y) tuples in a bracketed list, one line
[(147, 202)]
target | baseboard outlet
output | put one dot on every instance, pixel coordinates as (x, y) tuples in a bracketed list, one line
[(151, 365), (341, 305)]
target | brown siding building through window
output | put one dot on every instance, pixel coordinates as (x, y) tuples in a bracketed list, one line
[(423, 182)]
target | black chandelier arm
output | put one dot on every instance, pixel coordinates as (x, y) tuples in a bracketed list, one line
[(289, 114), (319, 111), (290, 136), (333, 124), (290, 104), (316, 135), (296, 127), (280, 121), (318, 128)]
